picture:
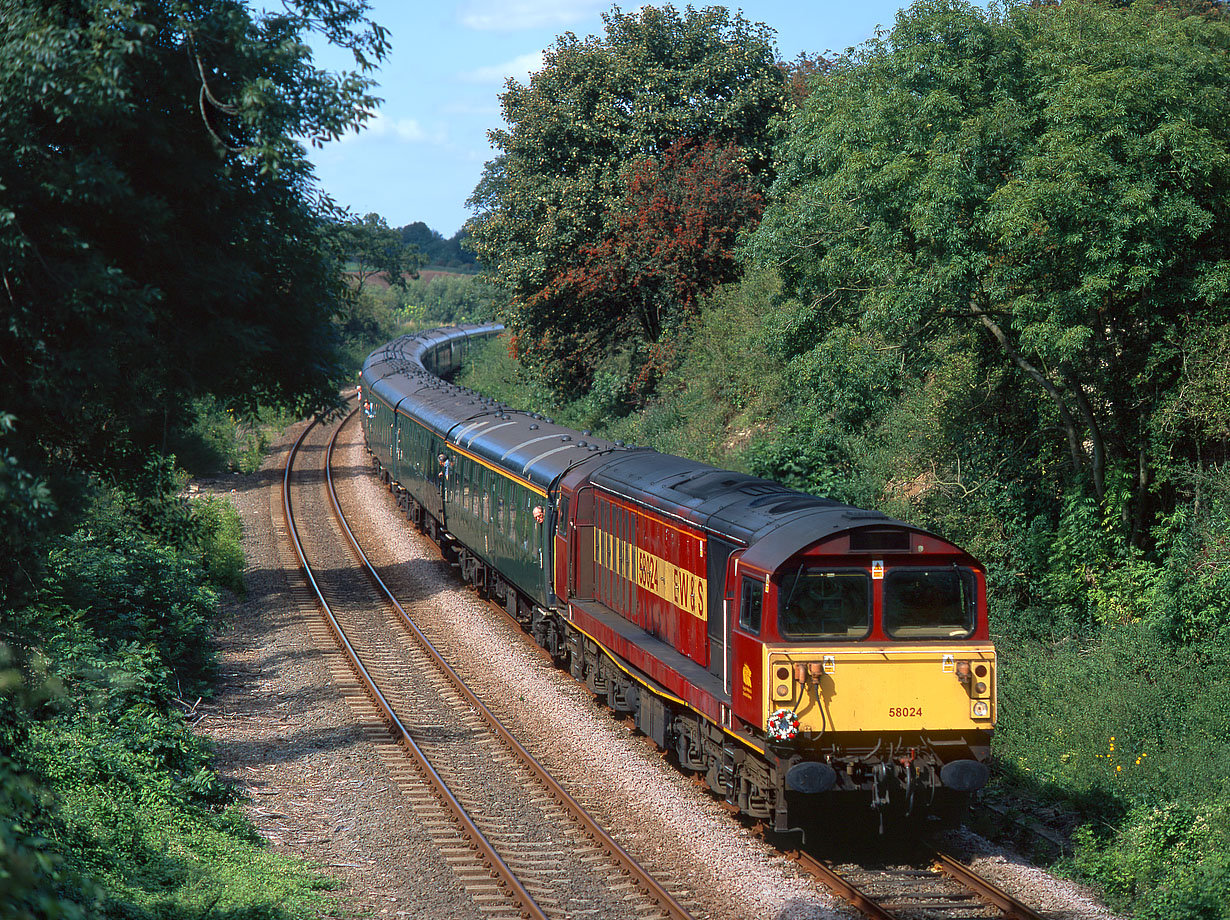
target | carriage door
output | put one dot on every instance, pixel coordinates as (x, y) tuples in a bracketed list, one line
[(581, 545), (718, 552)]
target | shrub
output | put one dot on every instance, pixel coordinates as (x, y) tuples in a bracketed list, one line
[(1164, 862), (137, 593), (220, 539)]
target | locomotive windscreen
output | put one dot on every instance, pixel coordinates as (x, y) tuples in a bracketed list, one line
[(825, 603), (929, 603)]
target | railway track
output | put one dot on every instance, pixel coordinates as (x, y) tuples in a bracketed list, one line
[(523, 849), (517, 842), (933, 886)]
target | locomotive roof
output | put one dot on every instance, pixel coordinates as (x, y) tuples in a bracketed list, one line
[(773, 520)]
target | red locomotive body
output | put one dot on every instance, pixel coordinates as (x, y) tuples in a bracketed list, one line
[(781, 642)]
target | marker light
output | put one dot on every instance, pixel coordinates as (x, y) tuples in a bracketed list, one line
[(980, 709)]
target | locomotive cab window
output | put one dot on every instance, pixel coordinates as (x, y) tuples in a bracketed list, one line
[(825, 603), (929, 603), (751, 604)]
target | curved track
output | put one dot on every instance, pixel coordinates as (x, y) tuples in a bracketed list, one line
[(517, 841), (519, 845)]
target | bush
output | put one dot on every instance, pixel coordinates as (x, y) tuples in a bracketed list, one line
[(1116, 721), (1164, 862), (220, 539), (109, 805), (137, 593), (213, 439), (445, 299)]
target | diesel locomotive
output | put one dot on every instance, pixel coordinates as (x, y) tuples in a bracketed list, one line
[(788, 647)]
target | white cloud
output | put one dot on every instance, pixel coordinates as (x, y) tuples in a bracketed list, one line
[(398, 129), (519, 67), (512, 15)]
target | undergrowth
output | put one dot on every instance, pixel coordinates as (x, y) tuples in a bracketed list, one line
[(109, 803)]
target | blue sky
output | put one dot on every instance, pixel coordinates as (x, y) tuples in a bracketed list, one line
[(422, 155)]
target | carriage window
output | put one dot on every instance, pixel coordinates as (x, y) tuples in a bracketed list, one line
[(751, 605), (929, 603), (825, 603)]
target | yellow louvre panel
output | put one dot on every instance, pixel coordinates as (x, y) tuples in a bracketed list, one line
[(881, 690)]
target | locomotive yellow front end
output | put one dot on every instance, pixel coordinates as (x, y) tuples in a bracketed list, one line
[(876, 670), (886, 719), (883, 690)]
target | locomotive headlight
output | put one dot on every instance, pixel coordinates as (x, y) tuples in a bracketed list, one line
[(783, 689), (980, 709), (980, 685)]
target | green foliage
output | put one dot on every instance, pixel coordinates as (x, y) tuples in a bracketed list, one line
[(596, 108), (1190, 600), (32, 873), (491, 370), (26, 510), (135, 592), (445, 299), (438, 253), (130, 821), (1167, 862), (1128, 730), (173, 246), (109, 805), (371, 318), (373, 248), (1052, 178), (161, 246), (210, 438), (722, 389), (220, 536)]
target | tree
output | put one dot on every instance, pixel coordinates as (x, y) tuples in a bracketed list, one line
[(438, 252), (672, 241), (1056, 176), (377, 249), (160, 234), (803, 71), (596, 108)]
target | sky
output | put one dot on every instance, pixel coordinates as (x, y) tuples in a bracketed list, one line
[(423, 153)]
